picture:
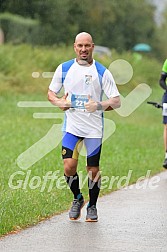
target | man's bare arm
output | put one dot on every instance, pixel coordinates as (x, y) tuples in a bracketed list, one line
[(112, 103), (62, 102)]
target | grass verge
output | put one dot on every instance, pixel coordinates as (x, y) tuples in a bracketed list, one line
[(26, 197)]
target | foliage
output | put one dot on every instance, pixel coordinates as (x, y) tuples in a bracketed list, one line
[(161, 37), (17, 63), (108, 21), (18, 29)]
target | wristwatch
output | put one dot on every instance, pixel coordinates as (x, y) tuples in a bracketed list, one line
[(99, 106)]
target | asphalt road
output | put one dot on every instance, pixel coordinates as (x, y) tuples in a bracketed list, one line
[(130, 220)]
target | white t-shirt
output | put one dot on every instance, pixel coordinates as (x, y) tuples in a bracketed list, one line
[(83, 81)]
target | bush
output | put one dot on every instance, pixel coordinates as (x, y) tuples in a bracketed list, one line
[(18, 29)]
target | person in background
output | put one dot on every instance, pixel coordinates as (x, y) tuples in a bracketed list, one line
[(163, 82)]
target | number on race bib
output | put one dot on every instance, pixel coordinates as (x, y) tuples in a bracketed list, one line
[(78, 101)]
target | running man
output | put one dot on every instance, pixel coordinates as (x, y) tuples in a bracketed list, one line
[(162, 83), (84, 80)]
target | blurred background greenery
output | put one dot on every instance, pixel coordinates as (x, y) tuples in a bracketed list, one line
[(38, 36), (113, 23)]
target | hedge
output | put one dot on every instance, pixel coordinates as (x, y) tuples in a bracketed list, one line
[(18, 29)]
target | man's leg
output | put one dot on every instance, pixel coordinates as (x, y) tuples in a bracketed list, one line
[(93, 184), (93, 147), (165, 142), (165, 137), (71, 176), (70, 152), (164, 100)]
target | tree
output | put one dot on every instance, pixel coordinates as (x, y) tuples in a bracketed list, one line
[(122, 30), (161, 38), (113, 23), (20, 7)]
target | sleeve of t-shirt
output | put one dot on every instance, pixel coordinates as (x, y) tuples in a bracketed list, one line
[(108, 85), (56, 83), (164, 68)]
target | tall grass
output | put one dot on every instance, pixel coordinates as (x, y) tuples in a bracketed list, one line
[(136, 145)]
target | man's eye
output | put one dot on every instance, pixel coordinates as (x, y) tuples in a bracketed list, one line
[(86, 46)]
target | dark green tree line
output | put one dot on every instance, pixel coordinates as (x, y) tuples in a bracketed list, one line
[(113, 23)]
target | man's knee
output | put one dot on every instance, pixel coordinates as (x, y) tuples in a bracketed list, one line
[(93, 172), (70, 166)]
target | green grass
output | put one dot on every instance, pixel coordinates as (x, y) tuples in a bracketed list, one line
[(137, 143)]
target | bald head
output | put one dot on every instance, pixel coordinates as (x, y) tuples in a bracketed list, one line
[(83, 47), (83, 35)]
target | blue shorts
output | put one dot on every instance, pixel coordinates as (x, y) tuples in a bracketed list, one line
[(72, 144), (164, 100)]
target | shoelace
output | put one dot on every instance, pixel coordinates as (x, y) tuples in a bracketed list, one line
[(92, 209), (75, 205)]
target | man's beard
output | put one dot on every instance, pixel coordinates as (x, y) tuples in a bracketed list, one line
[(83, 62)]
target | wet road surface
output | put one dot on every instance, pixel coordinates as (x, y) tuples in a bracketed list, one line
[(130, 220)]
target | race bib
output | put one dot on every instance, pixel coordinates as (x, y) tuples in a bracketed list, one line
[(78, 101), (164, 110)]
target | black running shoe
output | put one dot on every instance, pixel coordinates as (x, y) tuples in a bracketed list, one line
[(75, 210), (92, 214), (165, 163)]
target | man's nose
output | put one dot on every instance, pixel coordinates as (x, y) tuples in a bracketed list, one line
[(83, 48)]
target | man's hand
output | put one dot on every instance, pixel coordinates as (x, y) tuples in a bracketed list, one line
[(91, 106), (63, 103)]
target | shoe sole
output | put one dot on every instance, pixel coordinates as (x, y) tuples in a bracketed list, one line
[(90, 220), (73, 219)]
